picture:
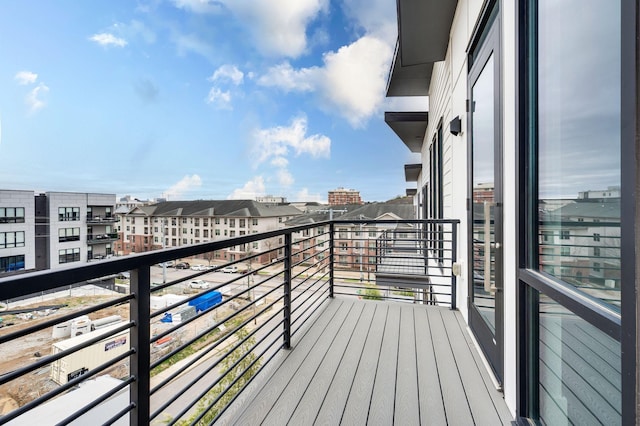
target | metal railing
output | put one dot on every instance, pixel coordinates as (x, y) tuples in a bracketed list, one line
[(181, 350)]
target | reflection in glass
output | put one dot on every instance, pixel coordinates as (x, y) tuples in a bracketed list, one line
[(483, 135), (579, 144), (579, 367)]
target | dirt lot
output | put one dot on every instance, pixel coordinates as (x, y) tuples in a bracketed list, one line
[(23, 351)]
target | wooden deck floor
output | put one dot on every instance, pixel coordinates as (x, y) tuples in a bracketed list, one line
[(365, 362)]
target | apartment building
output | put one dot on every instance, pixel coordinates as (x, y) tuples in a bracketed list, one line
[(17, 231), (42, 231), (342, 196), (532, 109), (178, 223)]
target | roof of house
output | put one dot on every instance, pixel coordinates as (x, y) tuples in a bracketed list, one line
[(356, 211), (233, 208)]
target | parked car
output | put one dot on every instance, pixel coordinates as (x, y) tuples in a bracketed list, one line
[(230, 269), (167, 264), (199, 284), (182, 265), (199, 268)]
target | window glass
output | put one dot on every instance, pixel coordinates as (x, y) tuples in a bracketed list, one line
[(578, 138), (579, 367)]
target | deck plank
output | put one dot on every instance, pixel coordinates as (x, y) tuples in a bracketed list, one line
[(365, 362), (453, 394), (429, 389), (282, 410), (309, 405), (256, 409), (407, 405), (336, 398), (382, 406), (359, 398), (480, 403)]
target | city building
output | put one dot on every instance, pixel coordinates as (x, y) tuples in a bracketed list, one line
[(344, 196), (180, 223), (271, 199), (42, 231), (513, 148)]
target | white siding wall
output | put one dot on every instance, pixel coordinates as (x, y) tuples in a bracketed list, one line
[(447, 99), (66, 199)]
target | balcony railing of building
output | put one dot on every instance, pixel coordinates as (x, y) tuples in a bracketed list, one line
[(101, 219), (102, 238), (179, 346)]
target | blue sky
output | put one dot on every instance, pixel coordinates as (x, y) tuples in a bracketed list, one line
[(197, 99)]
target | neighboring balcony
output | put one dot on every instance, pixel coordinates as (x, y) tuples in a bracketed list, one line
[(102, 238), (298, 340), (101, 219)]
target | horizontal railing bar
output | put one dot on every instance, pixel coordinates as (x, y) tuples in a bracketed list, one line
[(302, 293), (97, 401), (120, 413), (63, 388), (205, 352), (221, 376), (319, 298), (208, 370), (7, 377), (46, 324)]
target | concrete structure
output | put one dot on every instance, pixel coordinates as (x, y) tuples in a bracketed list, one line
[(178, 223), (41, 231), (506, 147), (344, 196)]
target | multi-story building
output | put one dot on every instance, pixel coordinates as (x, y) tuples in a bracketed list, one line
[(342, 196), (17, 231), (179, 223), (42, 231), (271, 199)]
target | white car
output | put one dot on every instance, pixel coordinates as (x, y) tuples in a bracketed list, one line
[(230, 269), (201, 284), (199, 268)]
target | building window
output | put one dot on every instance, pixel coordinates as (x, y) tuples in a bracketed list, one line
[(69, 255), (217, 221), (232, 234), (68, 234), (68, 213), (564, 234), (184, 220), (225, 232), (217, 232), (242, 223), (184, 241), (596, 237), (11, 214), (232, 223), (205, 233), (254, 222), (11, 263), (205, 222), (196, 221), (372, 234), (343, 246), (11, 239), (197, 233), (254, 245), (342, 233)]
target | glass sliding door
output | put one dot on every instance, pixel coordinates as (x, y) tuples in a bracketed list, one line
[(485, 315), (572, 232)]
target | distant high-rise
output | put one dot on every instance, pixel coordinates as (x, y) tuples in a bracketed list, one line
[(343, 196)]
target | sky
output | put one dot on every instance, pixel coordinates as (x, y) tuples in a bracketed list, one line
[(200, 99)]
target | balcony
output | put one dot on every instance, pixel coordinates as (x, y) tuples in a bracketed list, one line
[(307, 336), (102, 238), (101, 219)]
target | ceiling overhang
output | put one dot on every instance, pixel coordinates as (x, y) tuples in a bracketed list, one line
[(409, 126), (423, 38), (411, 192), (412, 172)]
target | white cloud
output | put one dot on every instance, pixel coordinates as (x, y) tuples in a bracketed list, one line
[(284, 177), (186, 184), (191, 43), (375, 17), (107, 39), (277, 141), (280, 162), (228, 72), (279, 28), (250, 190), (303, 195), (26, 77), (220, 99), (351, 81), (285, 77), (198, 6), (35, 98)]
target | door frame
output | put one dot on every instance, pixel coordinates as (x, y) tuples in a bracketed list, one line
[(486, 41)]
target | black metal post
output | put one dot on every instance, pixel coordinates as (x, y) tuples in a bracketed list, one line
[(454, 258), (331, 259), (287, 291), (139, 308)]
